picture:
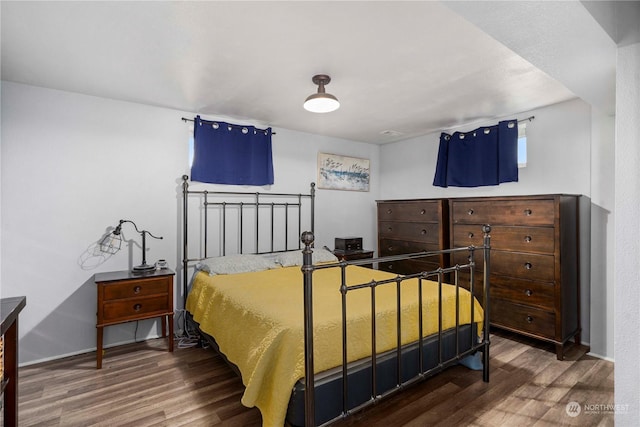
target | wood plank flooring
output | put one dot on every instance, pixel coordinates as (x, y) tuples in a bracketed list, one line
[(144, 385)]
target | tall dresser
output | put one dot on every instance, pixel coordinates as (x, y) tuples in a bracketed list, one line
[(534, 261), (408, 226)]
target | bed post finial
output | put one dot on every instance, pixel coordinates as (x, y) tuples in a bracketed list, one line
[(307, 239)]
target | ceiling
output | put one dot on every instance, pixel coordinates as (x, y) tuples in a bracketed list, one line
[(399, 69)]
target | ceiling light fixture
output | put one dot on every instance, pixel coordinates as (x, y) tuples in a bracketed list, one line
[(321, 102)]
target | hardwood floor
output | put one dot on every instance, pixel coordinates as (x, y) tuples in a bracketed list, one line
[(144, 385)]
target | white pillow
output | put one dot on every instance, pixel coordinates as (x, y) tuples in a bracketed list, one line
[(291, 258), (239, 263)]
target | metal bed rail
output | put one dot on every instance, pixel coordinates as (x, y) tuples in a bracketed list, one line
[(308, 269)]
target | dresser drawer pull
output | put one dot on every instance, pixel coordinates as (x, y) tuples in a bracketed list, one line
[(470, 235), (423, 231), (527, 239), (390, 248), (529, 319), (422, 212), (528, 265), (137, 307), (137, 289), (389, 211), (389, 228), (470, 212), (528, 212), (528, 292), (390, 266)]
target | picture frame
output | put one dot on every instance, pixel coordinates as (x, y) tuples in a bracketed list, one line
[(337, 172)]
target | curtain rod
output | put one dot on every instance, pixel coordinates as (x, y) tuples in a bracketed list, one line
[(528, 119), (184, 119)]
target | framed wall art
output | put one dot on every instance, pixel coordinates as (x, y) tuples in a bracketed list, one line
[(343, 173)]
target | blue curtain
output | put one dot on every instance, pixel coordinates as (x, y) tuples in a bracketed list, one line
[(225, 153), (485, 156)]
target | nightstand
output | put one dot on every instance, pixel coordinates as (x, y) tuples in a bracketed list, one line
[(124, 296), (353, 255)]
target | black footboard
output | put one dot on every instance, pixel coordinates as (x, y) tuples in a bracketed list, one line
[(329, 385)]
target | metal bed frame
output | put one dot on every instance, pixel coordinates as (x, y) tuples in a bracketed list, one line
[(287, 202)]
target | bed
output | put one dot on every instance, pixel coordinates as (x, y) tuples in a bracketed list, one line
[(300, 327)]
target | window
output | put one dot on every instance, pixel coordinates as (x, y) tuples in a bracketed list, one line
[(522, 144)]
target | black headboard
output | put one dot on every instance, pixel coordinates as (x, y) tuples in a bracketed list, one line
[(217, 223)]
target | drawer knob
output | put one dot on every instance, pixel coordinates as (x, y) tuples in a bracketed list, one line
[(470, 212), (529, 319), (389, 211), (137, 289), (389, 228), (422, 212), (423, 231), (528, 212), (137, 307), (390, 248), (390, 266), (528, 292), (527, 239), (528, 265), (470, 235)]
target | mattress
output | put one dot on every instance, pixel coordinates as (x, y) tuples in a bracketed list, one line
[(257, 321)]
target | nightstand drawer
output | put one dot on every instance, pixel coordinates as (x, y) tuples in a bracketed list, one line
[(135, 308), (137, 288)]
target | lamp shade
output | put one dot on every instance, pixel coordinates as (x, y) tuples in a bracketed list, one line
[(321, 102)]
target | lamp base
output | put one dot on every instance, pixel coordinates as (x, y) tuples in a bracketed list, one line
[(143, 268)]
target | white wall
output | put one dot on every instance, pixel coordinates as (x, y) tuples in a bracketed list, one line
[(601, 299), (73, 165), (559, 161), (627, 230)]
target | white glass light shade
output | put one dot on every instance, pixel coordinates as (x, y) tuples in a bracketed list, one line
[(321, 103)]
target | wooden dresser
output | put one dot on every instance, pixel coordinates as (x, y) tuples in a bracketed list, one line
[(534, 261), (408, 226)]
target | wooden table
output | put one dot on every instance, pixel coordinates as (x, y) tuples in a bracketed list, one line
[(9, 310)]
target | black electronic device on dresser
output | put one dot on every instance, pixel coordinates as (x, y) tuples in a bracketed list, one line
[(348, 243), (350, 249)]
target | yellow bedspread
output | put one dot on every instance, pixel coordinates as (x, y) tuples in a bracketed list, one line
[(257, 320)]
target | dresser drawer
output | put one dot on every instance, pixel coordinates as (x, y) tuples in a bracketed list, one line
[(410, 211), (135, 308), (137, 288), (525, 292), (396, 247), (417, 231), (515, 264), (521, 239), (408, 266), (508, 212), (523, 318)]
